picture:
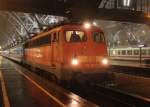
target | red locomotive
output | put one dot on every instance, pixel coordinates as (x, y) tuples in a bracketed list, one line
[(67, 50)]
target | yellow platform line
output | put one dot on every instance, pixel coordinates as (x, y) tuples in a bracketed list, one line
[(4, 91), (41, 88)]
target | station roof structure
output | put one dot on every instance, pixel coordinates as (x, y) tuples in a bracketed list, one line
[(22, 19)]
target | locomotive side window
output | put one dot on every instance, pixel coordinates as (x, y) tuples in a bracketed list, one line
[(55, 37), (47, 39), (43, 40), (98, 37), (39, 41), (58, 34), (75, 36)]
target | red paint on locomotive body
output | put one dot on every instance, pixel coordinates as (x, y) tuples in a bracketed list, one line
[(63, 55), (86, 51)]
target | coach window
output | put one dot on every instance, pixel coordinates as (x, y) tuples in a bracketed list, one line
[(118, 52), (136, 52), (26, 45), (75, 36), (113, 52), (98, 37), (148, 52), (123, 52), (143, 52), (129, 52)]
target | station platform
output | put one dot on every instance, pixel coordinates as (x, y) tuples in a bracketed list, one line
[(21, 88), (129, 64)]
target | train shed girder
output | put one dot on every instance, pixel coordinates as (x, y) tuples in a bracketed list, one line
[(19, 27), (24, 18)]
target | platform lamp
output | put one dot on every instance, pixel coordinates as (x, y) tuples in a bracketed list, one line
[(140, 48)]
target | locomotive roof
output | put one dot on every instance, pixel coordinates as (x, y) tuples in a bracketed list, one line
[(67, 24), (57, 27)]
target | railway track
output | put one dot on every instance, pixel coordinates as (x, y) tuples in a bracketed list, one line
[(128, 99), (110, 96)]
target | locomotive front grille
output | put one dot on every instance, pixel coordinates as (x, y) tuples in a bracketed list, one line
[(89, 59)]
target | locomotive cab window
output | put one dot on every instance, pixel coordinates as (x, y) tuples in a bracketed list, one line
[(75, 36), (98, 37)]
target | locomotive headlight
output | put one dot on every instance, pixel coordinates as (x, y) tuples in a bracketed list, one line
[(105, 61), (87, 25), (74, 61)]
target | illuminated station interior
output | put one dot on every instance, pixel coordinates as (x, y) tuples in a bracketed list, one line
[(75, 53)]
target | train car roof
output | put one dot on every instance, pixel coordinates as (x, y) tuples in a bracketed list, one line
[(58, 27), (127, 48)]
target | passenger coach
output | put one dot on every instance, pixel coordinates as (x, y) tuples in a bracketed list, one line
[(131, 54)]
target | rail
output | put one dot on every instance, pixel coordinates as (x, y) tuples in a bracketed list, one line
[(125, 98)]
